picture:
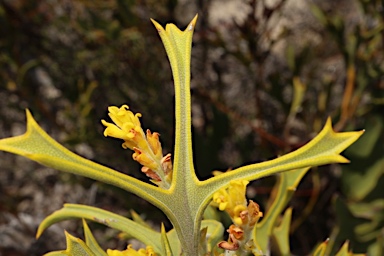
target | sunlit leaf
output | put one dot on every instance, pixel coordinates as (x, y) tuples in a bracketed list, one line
[(214, 234), (91, 242), (146, 235), (281, 233), (286, 185), (76, 246), (321, 249), (165, 243)]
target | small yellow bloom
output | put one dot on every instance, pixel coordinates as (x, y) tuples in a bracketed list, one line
[(144, 159), (132, 252), (154, 143), (237, 190), (228, 199), (124, 118), (147, 147), (127, 126), (221, 198), (233, 201), (237, 213)]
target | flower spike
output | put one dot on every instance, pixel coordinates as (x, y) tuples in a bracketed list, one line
[(147, 147)]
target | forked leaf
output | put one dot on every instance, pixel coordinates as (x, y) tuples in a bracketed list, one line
[(76, 246), (286, 185), (69, 211), (91, 242), (38, 146), (281, 233), (325, 148), (344, 251), (370, 210)]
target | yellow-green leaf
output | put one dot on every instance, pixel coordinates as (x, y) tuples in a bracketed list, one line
[(91, 242), (38, 146), (344, 251), (325, 148), (146, 235), (174, 242), (286, 185), (281, 233), (76, 246), (165, 243), (321, 249), (56, 253), (214, 234)]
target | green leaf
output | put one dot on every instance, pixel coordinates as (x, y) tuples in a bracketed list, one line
[(359, 184), (38, 146), (174, 242), (286, 185), (325, 148), (165, 243), (146, 235), (298, 95), (136, 218), (91, 242), (214, 234), (76, 246), (56, 253), (377, 248), (211, 213), (281, 233), (321, 249), (344, 250), (368, 210), (364, 147), (319, 14), (363, 175)]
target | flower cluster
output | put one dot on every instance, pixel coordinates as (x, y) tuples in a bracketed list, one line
[(146, 146), (244, 216), (132, 252)]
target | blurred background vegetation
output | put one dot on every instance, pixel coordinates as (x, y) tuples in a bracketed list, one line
[(265, 76)]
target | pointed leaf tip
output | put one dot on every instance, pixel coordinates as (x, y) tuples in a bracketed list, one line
[(192, 24), (158, 27), (76, 246), (190, 27)]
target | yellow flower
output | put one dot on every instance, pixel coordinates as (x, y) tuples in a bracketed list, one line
[(154, 143), (132, 252), (221, 198), (147, 147), (127, 126), (236, 191), (145, 159), (234, 195), (232, 200)]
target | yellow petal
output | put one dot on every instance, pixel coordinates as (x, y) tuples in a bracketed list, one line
[(154, 143), (113, 131)]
